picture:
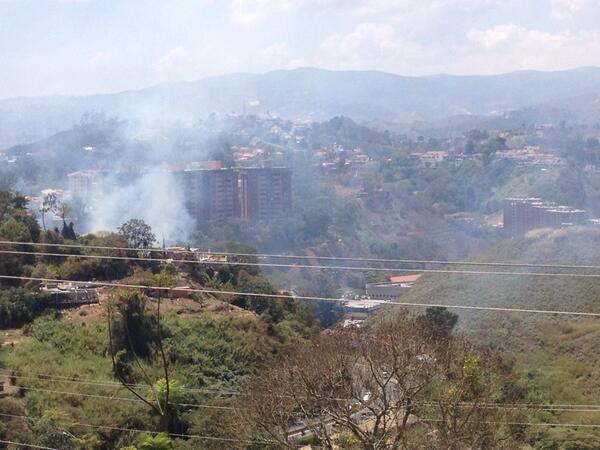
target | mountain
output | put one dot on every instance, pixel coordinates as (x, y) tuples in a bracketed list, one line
[(304, 94)]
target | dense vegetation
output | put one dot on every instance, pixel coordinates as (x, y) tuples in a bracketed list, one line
[(209, 342), (229, 341), (71, 396), (558, 356), (209, 351), (72, 367)]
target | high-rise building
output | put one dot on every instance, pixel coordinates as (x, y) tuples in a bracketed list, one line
[(84, 184), (265, 193), (216, 196), (523, 214), (211, 196)]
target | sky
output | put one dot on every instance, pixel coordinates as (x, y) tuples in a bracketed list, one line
[(77, 47)]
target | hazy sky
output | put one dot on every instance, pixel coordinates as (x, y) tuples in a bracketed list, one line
[(91, 46)]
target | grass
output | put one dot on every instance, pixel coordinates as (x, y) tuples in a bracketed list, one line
[(208, 350), (558, 356)]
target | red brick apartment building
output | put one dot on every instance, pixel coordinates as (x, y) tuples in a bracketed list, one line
[(250, 194), (265, 193), (211, 195)]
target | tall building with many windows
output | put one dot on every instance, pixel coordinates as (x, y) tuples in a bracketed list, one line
[(523, 214), (211, 196), (265, 193), (84, 184), (217, 196)]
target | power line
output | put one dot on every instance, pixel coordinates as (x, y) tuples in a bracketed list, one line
[(461, 405), (305, 257), (301, 266), (108, 383), (217, 263), (530, 424), (135, 430), (215, 438), (307, 298), (110, 397), (28, 445), (513, 406)]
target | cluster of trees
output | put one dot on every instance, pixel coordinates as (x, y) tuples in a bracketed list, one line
[(449, 188), (19, 224), (402, 383), (165, 361), (19, 306), (407, 383)]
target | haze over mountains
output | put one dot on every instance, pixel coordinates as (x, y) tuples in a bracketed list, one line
[(316, 94)]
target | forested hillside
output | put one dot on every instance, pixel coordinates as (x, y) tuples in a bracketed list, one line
[(557, 355), (141, 368)]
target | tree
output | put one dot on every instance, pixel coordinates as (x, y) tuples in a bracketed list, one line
[(13, 230), (68, 231), (171, 397), (132, 338), (440, 320), (64, 209), (49, 204), (394, 387), (164, 280), (135, 329), (138, 233), (120, 339), (470, 147)]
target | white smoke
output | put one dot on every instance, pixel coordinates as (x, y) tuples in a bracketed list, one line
[(154, 197)]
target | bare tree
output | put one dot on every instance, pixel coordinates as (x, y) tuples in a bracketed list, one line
[(49, 204), (64, 209), (397, 387)]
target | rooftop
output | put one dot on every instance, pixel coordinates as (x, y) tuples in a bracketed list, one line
[(405, 278)]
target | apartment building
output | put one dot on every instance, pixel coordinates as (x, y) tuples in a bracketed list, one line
[(216, 196), (265, 193), (211, 195), (523, 214), (84, 184)]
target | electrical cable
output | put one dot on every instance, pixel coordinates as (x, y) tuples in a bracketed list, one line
[(28, 445), (530, 424), (108, 397), (107, 383), (135, 430), (301, 266), (327, 258), (307, 298), (195, 436)]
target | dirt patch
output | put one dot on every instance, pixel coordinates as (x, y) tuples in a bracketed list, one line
[(183, 307), (12, 336), (6, 386), (346, 191), (85, 314)]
